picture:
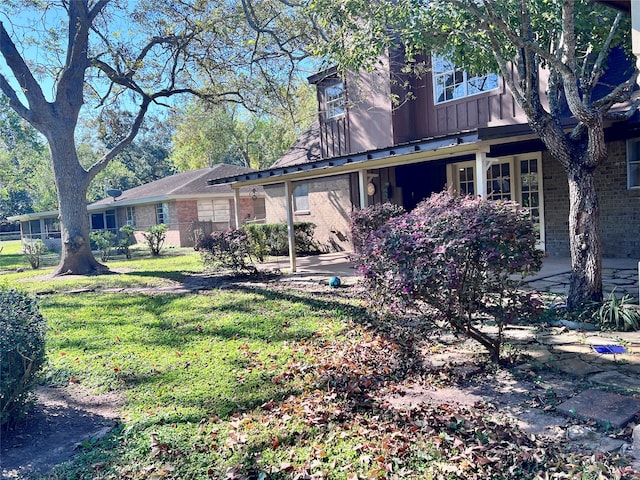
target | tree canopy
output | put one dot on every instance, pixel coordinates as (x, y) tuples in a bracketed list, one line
[(65, 57), (553, 56)]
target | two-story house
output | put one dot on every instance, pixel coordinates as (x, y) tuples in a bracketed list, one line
[(446, 128)]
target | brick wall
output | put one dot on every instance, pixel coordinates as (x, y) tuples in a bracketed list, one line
[(619, 207), (329, 207), (187, 213)]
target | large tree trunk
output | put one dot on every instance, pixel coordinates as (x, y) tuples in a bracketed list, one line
[(72, 182), (584, 239)]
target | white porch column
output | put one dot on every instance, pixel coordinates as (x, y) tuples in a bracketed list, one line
[(236, 205), (482, 167), (288, 203), (362, 187), (481, 174)]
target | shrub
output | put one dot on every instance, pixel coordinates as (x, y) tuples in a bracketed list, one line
[(617, 313), (455, 258), (22, 352), (366, 220), (34, 251), (273, 239), (227, 250), (103, 241), (127, 239), (155, 237)]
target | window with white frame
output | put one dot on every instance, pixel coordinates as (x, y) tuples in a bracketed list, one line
[(131, 216), (334, 100), (218, 210), (466, 180), (451, 83), (162, 213), (633, 163), (499, 181), (301, 199)]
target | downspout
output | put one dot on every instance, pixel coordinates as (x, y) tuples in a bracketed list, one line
[(288, 192)]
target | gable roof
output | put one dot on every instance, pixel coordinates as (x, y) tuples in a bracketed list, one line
[(193, 182)]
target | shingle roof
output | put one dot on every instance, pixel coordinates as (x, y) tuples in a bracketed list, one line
[(187, 183), (305, 149)]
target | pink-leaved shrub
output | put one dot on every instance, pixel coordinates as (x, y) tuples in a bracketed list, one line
[(455, 259)]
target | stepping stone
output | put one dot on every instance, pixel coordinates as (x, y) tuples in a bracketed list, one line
[(612, 378), (575, 366), (603, 407)]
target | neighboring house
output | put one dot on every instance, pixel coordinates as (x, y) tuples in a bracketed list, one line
[(185, 202), (454, 130)]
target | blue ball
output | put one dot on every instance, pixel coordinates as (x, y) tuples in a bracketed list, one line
[(334, 282)]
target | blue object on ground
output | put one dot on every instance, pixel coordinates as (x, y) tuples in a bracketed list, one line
[(609, 349), (334, 282)]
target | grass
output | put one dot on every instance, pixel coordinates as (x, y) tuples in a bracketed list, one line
[(257, 382)]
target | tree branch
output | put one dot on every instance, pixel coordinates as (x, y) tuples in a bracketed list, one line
[(30, 87)]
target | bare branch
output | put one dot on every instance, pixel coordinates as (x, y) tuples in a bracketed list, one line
[(30, 87)]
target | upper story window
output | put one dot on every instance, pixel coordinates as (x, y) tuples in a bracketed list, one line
[(452, 83), (162, 213), (633, 163), (334, 100)]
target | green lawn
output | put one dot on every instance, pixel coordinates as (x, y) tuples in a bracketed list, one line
[(258, 382)]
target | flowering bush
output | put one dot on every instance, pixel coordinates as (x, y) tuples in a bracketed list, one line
[(367, 220), (457, 257), (227, 250)]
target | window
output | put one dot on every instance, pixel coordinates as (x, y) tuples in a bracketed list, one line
[(131, 216), (451, 83), (52, 227), (633, 163), (466, 180), (499, 182), (35, 227), (162, 213), (214, 210), (334, 100), (110, 220), (301, 199)]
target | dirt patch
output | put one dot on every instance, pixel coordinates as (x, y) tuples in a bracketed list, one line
[(61, 420)]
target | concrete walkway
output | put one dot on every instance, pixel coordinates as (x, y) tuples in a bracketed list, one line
[(618, 273)]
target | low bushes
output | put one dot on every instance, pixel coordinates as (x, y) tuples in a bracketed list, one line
[(453, 259), (22, 352), (155, 237), (227, 250), (273, 239)]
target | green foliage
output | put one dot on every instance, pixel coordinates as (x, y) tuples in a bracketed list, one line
[(155, 237), (273, 239), (104, 241), (126, 240), (366, 220), (452, 259), (22, 352), (620, 314), (227, 250), (33, 251)]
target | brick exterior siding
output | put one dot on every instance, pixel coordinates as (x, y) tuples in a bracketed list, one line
[(619, 206), (329, 208)]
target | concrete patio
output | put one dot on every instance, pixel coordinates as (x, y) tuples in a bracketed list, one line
[(618, 273)]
